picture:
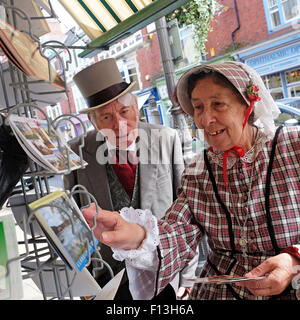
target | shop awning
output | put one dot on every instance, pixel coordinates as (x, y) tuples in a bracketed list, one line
[(109, 21)]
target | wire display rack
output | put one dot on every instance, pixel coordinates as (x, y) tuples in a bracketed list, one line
[(38, 258)]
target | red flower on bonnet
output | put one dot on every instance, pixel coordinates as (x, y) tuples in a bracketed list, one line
[(252, 95), (252, 92)]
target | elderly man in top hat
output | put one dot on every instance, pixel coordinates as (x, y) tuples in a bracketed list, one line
[(130, 163)]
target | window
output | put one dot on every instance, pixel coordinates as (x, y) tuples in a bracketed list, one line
[(273, 83), (54, 111), (274, 13), (295, 91), (129, 71), (293, 82), (190, 53), (290, 9), (79, 100), (292, 76), (281, 12), (132, 73)]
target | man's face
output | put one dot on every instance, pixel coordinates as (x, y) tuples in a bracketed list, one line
[(117, 122)]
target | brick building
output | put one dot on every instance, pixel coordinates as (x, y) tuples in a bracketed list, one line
[(265, 34)]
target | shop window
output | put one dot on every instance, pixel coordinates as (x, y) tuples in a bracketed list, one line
[(293, 82), (277, 94), (273, 83), (281, 12), (295, 91), (293, 76)]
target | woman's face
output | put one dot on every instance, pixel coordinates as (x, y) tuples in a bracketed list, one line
[(220, 113)]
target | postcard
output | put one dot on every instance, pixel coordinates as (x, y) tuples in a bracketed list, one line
[(223, 279), (65, 228)]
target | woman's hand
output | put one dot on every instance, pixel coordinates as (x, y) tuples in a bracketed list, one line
[(183, 293), (112, 230), (281, 269)]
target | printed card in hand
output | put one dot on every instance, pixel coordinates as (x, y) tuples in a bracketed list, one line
[(223, 279)]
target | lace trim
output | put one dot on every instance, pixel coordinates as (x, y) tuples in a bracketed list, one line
[(249, 157), (143, 257)]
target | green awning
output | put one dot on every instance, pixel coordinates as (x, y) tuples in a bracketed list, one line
[(108, 21)]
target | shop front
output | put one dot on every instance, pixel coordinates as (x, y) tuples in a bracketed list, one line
[(278, 63)]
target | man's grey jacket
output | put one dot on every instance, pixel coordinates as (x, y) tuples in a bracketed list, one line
[(160, 168)]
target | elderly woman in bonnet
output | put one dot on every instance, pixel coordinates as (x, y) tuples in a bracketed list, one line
[(242, 192)]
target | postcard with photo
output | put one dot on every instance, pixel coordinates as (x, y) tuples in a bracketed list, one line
[(30, 154), (44, 147), (11, 284), (223, 279), (65, 228)]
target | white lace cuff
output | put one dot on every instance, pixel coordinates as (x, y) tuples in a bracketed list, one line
[(145, 257)]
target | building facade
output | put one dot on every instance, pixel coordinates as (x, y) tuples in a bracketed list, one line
[(265, 34)]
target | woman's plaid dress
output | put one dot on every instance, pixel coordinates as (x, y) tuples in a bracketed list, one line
[(197, 211)]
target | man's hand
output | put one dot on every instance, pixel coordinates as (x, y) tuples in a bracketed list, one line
[(112, 230), (280, 270)]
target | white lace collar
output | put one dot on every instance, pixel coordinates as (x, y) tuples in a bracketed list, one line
[(217, 156)]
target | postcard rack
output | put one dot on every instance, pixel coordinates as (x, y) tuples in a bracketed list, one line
[(37, 257)]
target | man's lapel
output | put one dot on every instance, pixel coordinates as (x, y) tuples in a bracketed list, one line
[(149, 151), (148, 146), (93, 153)]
